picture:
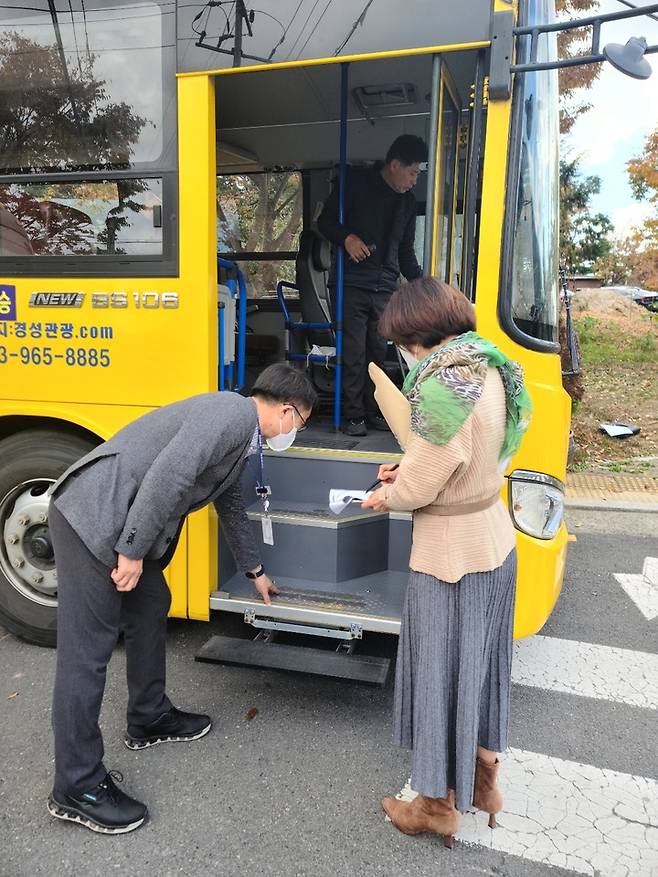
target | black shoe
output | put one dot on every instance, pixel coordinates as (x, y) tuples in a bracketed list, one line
[(355, 427), (378, 422), (105, 808), (173, 726)]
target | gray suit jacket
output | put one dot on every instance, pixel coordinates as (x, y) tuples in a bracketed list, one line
[(131, 494)]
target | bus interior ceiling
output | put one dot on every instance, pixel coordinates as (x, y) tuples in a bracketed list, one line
[(288, 119)]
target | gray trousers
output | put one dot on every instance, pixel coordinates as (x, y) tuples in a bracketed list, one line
[(90, 614)]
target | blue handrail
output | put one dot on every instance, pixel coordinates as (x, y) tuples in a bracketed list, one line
[(242, 323), (340, 251), (281, 285), (293, 324)]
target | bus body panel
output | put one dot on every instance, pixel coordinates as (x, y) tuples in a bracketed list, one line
[(134, 344)]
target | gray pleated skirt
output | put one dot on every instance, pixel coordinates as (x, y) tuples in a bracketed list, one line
[(453, 676)]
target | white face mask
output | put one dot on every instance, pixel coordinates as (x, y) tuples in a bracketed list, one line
[(409, 357), (283, 440)]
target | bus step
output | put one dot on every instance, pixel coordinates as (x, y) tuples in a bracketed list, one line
[(295, 659)]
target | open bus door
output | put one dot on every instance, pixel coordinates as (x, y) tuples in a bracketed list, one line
[(340, 577)]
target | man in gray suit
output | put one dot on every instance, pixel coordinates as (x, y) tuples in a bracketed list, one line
[(115, 518)]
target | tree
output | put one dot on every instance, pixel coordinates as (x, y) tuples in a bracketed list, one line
[(643, 172), (52, 122), (633, 260), (260, 213), (583, 235), (571, 44)]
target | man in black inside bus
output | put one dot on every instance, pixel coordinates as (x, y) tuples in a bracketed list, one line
[(378, 235)]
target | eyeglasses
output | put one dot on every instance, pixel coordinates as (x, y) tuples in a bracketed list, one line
[(304, 422)]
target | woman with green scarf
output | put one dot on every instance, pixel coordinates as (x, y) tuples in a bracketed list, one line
[(469, 410)]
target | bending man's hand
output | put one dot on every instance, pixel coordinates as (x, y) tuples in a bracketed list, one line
[(356, 249), (126, 573), (265, 586), (375, 502)]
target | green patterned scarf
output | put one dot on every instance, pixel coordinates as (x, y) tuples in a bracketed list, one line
[(444, 387)]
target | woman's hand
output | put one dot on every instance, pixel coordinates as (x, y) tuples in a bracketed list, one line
[(265, 586), (375, 502), (126, 573), (388, 472)]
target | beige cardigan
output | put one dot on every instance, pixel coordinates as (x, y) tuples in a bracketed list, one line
[(464, 471)]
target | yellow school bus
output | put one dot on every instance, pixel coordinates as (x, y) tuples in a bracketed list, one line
[(162, 166)]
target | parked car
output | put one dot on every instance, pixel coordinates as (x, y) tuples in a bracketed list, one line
[(644, 297)]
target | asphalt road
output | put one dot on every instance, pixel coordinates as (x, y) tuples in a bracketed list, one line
[(296, 790)]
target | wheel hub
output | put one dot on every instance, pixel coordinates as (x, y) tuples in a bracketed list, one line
[(27, 554)]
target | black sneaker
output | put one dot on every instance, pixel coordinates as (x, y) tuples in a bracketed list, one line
[(173, 726), (105, 808), (355, 427), (378, 422)]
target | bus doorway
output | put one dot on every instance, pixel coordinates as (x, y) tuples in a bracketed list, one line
[(278, 154), (280, 138)]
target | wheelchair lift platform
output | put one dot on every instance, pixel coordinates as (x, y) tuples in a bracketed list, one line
[(341, 577)]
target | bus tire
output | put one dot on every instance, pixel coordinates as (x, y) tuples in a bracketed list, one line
[(30, 462)]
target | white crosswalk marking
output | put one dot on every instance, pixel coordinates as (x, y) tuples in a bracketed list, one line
[(583, 818), (587, 669), (571, 815), (643, 588)]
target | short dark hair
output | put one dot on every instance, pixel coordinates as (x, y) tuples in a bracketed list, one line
[(426, 312), (408, 149), (283, 383)]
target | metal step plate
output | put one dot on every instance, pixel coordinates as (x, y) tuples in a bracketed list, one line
[(295, 659)]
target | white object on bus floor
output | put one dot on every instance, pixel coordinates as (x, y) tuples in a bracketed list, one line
[(340, 498)]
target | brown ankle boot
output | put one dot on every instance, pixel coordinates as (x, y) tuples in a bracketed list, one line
[(437, 815), (487, 795)]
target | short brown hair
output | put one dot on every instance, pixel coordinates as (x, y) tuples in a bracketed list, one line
[(425, 312)]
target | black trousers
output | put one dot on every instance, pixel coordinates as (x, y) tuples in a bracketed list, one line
[(90, 613), (362, 344)]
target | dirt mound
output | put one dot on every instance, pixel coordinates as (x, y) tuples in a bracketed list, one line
[(611, 307)]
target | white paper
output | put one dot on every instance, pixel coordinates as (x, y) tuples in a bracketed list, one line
[(268, 533), (322, 351), (340, 498), (615, 429)]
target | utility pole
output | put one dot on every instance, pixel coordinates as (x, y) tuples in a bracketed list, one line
[(65, 69), (241, 17)]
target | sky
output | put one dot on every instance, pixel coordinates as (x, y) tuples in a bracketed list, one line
[(624, 111)]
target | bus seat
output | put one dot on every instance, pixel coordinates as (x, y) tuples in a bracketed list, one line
[(311, 274)]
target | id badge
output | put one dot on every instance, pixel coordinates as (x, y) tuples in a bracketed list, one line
[(268, 533)]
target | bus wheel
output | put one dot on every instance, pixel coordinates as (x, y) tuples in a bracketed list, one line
[(30, 462)]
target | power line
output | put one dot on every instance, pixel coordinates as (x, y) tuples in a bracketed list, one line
[(75, 40), (212, 4), (64, 11), (299, 35), (360, 21), (315, 27), (634, 6), (285, 31), (269, 15), (22, 24), (104, 51), (84, 18)]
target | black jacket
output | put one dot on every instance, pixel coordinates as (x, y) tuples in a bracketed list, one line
[(380, 216)]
